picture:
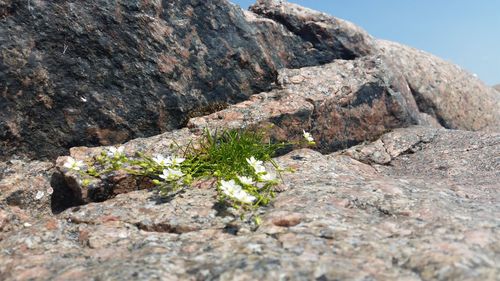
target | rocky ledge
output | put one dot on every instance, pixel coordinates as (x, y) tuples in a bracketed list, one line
[(402, 184), (417, 204), (103, 72)]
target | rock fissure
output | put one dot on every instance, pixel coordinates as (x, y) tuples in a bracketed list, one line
[(165, 227)]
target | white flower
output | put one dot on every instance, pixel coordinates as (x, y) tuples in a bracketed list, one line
[(267, 177), (174, 161), (246, 180), (73, 164), (257, 165), (308, 137), (229, 187), (160, 160), (253, 162), (50, 190), (244, 197), (171, 174), (115, 152), (234, 190), (169, 161), (260, 169)]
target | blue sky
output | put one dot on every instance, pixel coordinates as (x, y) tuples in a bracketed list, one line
[(465, 32)]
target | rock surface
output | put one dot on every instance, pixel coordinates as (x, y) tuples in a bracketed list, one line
[(426, 212), (454, 97), (27, 185), (342, 103), (327, 34), (497, 87), (418, 203), (103, 72), (100, 72)]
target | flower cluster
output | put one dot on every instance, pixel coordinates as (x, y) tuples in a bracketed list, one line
[(169, 161), (171, 167), (260, 170), (115, 152), (247, 189), (243, 182), (235, 191)]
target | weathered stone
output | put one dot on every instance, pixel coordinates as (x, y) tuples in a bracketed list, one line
[(392, 145), (109, 185), (335, 38), (103, 72), (454, 97), (100, 72), (419, 203), (26, 194), (339, 219), (27, 185), (341, 104)]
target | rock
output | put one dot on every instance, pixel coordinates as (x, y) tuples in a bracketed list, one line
[(100, 73), (403, 203), (342, 103), (450, 95), (336, 38), (27, 185), (497, 87), (454, 97), (338, 219), (457, 158), (91, 73), (108, 186), (29, 192), (391, 145)]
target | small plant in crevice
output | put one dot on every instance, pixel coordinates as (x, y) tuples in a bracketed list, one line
[(238, 162)]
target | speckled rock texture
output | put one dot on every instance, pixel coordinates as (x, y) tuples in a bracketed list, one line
[(342, 103), (454, 97), (103, 72), (377, 199), (27, 185), (426, 211), (324, 32)]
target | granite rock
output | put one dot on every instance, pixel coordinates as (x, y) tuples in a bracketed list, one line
[(454, 97), (373, 201), (331, 36), (27, 185), (104, 72), (342, 103), (406, 218)]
